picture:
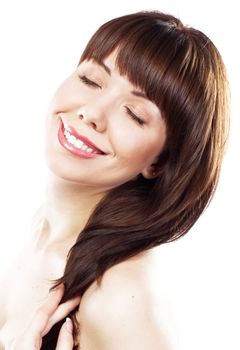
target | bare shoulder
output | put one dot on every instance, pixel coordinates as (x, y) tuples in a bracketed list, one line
[(125, 312)]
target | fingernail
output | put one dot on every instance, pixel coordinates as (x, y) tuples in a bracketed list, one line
[(69, 325)]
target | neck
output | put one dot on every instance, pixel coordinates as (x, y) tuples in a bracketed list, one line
[(68, 206)]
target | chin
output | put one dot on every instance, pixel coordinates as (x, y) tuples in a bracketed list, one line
[(61, 171), (57, 166)]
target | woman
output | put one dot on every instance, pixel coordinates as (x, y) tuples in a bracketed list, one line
[(135, 138)]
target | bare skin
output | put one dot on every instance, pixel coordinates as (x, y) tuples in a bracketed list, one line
[(43, 320), (33, 270), (74, 188)]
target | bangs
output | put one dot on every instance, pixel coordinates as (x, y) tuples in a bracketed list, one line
[(151, 54)]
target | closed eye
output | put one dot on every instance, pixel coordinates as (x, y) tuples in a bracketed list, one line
[(89, 82), (134, 116)]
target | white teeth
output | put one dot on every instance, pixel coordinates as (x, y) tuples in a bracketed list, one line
[(66, 134), (77, 143), (72, 139)]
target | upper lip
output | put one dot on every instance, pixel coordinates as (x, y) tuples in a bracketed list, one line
[(82, 138)]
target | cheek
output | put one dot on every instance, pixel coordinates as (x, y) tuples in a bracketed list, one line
[(134, 148), (65, 95)]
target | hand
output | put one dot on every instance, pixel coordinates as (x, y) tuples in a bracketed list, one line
[(45, 318)]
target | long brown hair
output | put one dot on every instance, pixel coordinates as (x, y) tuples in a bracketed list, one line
[(182, 72)]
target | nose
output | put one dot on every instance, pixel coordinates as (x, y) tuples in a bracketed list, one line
[(98, 123)]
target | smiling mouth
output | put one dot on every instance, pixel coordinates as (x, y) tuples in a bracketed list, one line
[(76, 144)]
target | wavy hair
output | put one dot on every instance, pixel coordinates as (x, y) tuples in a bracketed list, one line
[(182, 72)]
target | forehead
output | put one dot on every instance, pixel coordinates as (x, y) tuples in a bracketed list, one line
[(110, 61), (108, 64)]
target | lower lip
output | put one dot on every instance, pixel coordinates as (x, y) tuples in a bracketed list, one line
[(70, 148)]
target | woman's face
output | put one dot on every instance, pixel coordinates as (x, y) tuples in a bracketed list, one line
[(101, 106)]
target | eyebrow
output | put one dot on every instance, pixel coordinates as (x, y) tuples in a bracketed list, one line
[(108, 71)]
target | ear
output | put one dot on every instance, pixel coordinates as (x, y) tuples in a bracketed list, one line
[(150, 172)]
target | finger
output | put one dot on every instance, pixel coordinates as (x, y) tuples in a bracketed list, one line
[(24, 343), (61, 312), (65, 338), (32, 338), (43, 314), (53, 299)]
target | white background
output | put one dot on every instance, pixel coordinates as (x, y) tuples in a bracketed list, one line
[(41, 43)]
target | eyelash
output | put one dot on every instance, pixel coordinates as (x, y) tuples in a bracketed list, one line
[(86, 81), (134, 117), (91, 83)]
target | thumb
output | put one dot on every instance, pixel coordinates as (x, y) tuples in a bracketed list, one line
[(65, 338)]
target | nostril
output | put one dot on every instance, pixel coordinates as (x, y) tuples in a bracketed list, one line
[(94, 126), (81, 117)]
